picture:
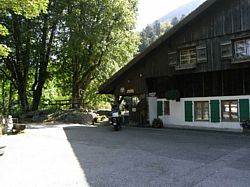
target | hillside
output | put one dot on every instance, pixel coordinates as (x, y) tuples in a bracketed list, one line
[(183, 10)]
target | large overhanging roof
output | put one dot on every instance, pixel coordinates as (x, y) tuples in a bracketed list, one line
[(157, 43)]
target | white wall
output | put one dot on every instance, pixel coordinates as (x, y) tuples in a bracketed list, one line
[(177, 114), (152, 109)]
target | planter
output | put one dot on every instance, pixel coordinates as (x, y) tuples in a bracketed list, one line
[(157, 123)]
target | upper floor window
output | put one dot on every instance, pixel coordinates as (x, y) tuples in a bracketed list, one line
[(188, 56), (242, 49)]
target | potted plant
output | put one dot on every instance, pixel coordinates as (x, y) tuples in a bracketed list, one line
[(157, 123)]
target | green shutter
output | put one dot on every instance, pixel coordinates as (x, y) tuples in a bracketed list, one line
[(188, 111), (159, 108), (244, 109), (215, 111)]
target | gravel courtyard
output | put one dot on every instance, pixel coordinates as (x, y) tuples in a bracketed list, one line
[(74, 155)]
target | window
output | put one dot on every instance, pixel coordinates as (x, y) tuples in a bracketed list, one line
[(229, 110), (163, 108), (242, 49), (201, 110), (166, 108), (188, 56)]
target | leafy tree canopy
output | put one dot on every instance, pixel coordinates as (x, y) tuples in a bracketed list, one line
[(26, 8), (99, 39), (67, 52), (151, 32)]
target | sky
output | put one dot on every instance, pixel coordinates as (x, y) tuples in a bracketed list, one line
[(151, 10)]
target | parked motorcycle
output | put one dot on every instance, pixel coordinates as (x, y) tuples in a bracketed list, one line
[(245, 124), (116, 122)]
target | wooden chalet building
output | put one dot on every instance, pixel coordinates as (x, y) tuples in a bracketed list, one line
[(197, 74)]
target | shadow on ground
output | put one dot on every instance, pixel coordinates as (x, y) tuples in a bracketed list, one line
[(149, 157)]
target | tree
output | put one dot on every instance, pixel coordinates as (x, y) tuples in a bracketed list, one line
[(147, 37), (150, 33), (27, 8), (98, 39), (31, 42), (76, 45), (157, 28), (165, 27), (182, 17), (174, 21)]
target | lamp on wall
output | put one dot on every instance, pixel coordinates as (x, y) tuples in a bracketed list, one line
[(122, 89)]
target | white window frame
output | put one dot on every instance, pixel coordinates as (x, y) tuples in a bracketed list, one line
[(246, 48), (195, 111), (230, 111), (188, 56)]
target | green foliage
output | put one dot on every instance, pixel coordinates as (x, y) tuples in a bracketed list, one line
[(98, 41), (26, 8), (4, 51), (174, 21), (3, 30), (150, 33), (77, 42)]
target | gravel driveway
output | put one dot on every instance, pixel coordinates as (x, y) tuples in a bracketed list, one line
[(74, 155)]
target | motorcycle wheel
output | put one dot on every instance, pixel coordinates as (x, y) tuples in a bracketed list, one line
[(116, 128)]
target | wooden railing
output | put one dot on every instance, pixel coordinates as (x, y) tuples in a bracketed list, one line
[(59, 103)]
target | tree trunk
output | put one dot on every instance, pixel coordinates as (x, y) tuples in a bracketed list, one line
[(10, 98), (23, 97), (3, 97), (75, 83), (37, 94), (76, 98), (45, 53)]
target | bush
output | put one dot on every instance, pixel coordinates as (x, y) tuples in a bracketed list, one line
[(157, 123)]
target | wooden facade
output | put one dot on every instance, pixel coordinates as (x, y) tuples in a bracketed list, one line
[(212, 31)]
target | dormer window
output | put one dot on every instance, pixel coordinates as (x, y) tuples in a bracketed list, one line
[(242, 49), (188, 56)]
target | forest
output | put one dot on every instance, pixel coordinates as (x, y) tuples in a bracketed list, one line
[(58, 52)]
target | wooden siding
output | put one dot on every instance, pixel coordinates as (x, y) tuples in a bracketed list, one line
[(223, 22), (220, 83)]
